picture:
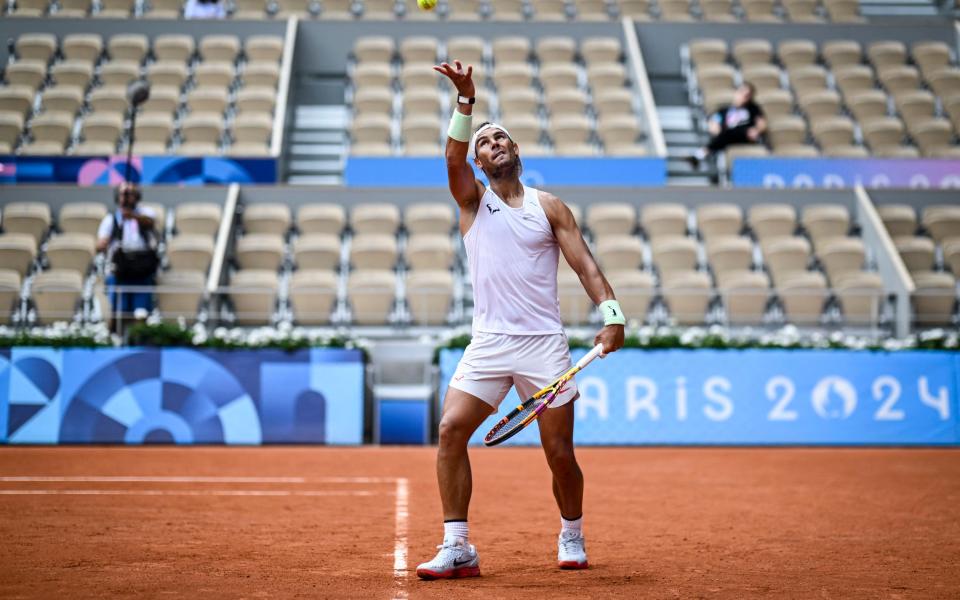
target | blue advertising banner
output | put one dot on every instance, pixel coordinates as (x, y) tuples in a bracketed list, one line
[(845, 173), (109, 170), (364, 171), (758, 397), (181, 396)]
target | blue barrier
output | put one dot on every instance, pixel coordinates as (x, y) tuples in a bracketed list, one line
[(179, 395), (368, 171), (758, 397), (109, 170), (845, 173)]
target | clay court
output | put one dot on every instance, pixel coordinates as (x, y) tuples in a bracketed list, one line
[(354, 522)]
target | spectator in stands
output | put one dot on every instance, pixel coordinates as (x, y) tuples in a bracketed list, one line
[(128, 238), (739, 123), (204, 9)]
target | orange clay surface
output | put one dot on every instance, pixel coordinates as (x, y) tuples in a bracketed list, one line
[(660, 523)]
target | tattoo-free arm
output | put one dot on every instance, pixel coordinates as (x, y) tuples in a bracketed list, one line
[(575, 250)]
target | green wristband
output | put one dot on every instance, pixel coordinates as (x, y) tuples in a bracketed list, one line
[(460, 125), (612, 313)]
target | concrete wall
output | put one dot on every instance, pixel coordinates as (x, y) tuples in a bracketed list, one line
[(57, 196)]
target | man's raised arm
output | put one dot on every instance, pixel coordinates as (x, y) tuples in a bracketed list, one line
[(464, 186)]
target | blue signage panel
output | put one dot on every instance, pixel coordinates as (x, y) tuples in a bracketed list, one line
[(363, 171), (110, 170), (846, 173), (758, 397), (182, 396)]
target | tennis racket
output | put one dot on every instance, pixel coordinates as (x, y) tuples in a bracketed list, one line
[(526, 413)]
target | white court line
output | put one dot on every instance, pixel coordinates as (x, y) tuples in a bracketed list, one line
[(188, 493), (402, 507)]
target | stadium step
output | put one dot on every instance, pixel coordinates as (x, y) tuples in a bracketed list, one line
[(682, 140), (318, 145)]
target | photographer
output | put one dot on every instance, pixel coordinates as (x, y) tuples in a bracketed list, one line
[(128, 237)]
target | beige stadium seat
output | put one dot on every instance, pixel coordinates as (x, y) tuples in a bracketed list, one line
[(179, 294), (673, 254), (421, 129), (163, 101), (525, 130), (11, 125), (429, 251), (861, 297), (511, 49), (372, 294), (846, 151), (942, 221), (763, 77), (254, 294), (313, 295), (797, 52), (429, 217), (17, 251), (882, 131), (715, 77), (36, 46), (203, 128), (32, 218), (803, 296), (71, 251), (675, 10), (17, 99), (550, 10), (507, 10), (801, 11), (752, 51), (314, 251), (267, 217), (375, 217), (820, 105), (687, 294), (596, 10), (618, 130), (736, 151), (619, 252), (81, 217), (915, 105), (419, 49), (934, 298), (575, 305), (10, 285), (74, 9), (29, 8), (899, 79), (119, 72), (115, 9), (63, 100), (841, 256), (94, 149), (379, 9), (197, 148), (717, 10), (43, 148), (931, 133), (418, 75), (745, 296), (429, 293), (109, 100), (951, 152), (843, 11), (612, 75), (807, 79), (467, 49), (887, 54), (930, 55), (559, 76), (28, 73), (167, 75), (719, 219), (197, 217), (760, 11), (708, 51), (899, 219), (611, 218), (56, 294), (600, 50), (838, 53), (463, 10), (371, 128), (72, 73), (173, 47), (776, 103), (729, 254), (257, 9), (102, 127), (852, 80), (154, 128), (613, 102), (373, 251), (213, 75), (635, 291), (917, 252), (416, 101), (253, 129), (832, 131), (787, 131), (257, 101), (663, 219), (519, 101), (263, 48), (785, 255), (131, 47), (207, 100), (570, 130), (321, 218), (248, 149), (509, 75), (219, 48), (866, 105), (260, 251), (190, 252), (951, 254), (825, 221), (556, 49)]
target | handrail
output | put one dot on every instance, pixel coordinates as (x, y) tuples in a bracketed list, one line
[(642, 79), (223, 238), (283, 87)]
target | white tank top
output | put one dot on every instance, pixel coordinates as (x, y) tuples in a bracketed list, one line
[(512, 255)]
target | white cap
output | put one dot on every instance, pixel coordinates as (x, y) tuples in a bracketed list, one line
[(473, 140)]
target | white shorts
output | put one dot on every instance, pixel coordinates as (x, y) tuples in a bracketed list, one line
[(493, 362)]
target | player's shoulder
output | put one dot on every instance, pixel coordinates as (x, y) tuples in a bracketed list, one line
[(547, 199)]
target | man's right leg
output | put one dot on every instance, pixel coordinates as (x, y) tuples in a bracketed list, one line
[(462, 414)]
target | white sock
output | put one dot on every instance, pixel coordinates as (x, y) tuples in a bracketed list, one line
[(700, 154), (456, 529), (575, 526)]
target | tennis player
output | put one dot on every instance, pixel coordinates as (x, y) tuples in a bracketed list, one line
[(513, 236)]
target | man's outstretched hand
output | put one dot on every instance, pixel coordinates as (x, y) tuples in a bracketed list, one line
[(611, 337), (461, 79)]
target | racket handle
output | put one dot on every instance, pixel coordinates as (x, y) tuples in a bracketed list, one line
[(589, 356)]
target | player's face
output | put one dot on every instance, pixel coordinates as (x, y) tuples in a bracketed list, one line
[(496, 152)]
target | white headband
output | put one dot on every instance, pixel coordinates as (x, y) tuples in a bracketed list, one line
[(473, 140)]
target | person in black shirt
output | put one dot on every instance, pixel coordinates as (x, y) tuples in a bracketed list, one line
[(739, 123)]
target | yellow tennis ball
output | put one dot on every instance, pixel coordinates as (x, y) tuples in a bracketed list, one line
[(427, 4)]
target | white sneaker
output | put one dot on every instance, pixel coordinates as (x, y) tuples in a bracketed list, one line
[(456, 558), (572, 551)]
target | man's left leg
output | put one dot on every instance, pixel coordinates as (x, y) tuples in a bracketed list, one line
[(556, 436)]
